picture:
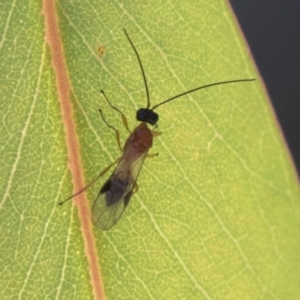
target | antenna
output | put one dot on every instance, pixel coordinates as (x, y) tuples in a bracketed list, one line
[(199, 88), (141, 66), (147, 114)]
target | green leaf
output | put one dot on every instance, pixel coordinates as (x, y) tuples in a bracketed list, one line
[(217, 213)]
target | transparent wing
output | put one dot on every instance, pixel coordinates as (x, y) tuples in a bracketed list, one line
[(116, 192)]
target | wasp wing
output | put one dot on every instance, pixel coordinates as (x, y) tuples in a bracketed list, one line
[(116, 192)]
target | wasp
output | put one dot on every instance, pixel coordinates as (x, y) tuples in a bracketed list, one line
[(116, 192)]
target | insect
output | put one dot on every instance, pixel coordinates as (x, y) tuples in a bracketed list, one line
[(118, 189)]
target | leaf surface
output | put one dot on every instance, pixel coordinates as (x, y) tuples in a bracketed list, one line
[(217, 212)]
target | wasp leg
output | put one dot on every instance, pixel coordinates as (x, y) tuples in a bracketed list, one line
[(155, 133), (114, 129), (135, 188), (149, 155), (124, 120), (92, 182)]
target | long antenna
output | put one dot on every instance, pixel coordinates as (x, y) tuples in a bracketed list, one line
[(199, 88), (141, 66)]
